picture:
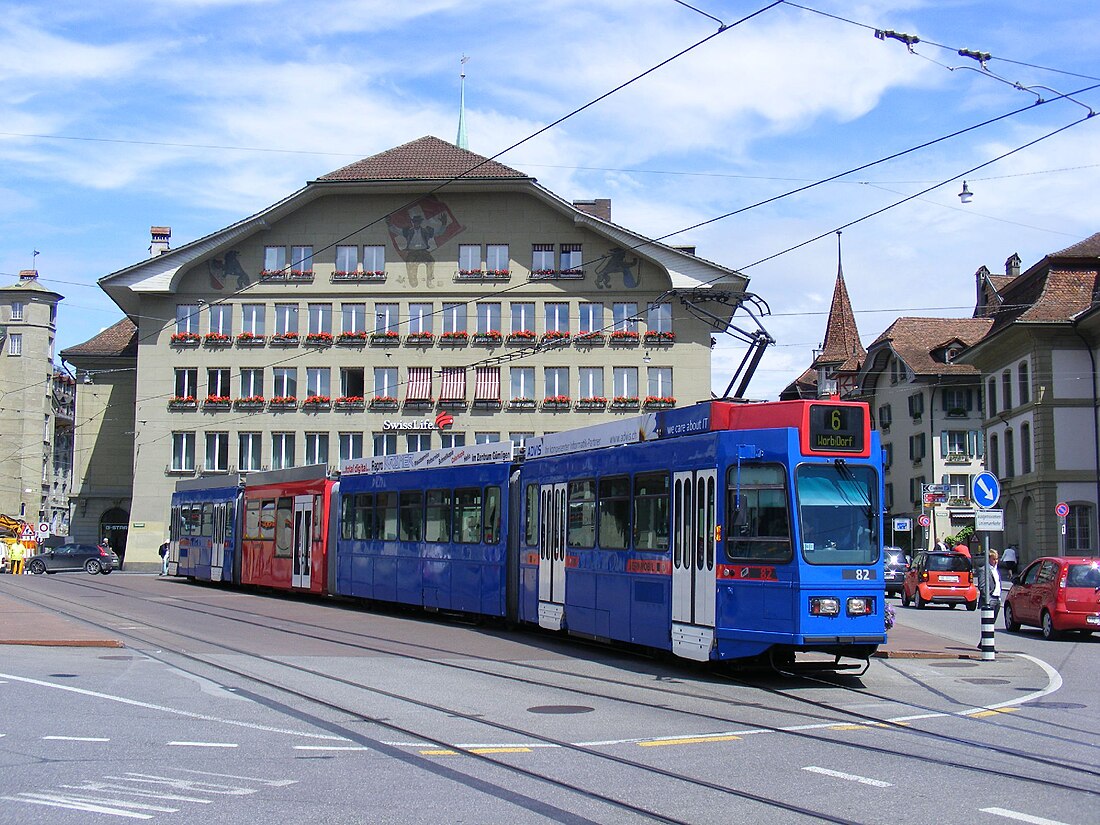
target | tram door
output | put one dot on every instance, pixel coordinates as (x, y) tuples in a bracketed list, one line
[(303, 542), (694, 523), (552, 556), (217, 544)]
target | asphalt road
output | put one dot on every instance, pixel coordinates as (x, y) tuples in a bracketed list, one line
[(230, 707)]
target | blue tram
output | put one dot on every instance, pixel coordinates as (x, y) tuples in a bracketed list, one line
[(204, 529)]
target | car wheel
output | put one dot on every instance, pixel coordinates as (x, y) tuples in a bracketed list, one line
[(921, 603), (1011, 624), (1047, 625), (93, 566), (972, 605), (37, 567)]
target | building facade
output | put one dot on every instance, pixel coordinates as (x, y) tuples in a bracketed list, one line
[(421, 298)]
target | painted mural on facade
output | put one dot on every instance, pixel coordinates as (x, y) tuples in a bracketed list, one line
[(616, 263), (417, 232), (223, 269)]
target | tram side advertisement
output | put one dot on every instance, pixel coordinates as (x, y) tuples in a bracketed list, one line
[(835, 429)]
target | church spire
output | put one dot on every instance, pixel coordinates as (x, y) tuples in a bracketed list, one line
[(842, 343), (462, 141)]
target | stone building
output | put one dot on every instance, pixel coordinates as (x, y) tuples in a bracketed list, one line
[(420, 298)]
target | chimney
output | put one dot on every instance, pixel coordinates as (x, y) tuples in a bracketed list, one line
[(599, 208), (161, 236), (1012, 266), (27, 275)]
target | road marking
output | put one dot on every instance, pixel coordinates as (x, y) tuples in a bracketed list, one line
[(981, 713), (688, 740), (446, 752), (204, 744), (76, 738), (271, 783), (1019, 817), (851, 777), (331, 748), (73, 804)]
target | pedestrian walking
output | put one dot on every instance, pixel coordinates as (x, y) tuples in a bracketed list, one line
[(18, 551), (994, 583), (1009, 560), (164, 559)]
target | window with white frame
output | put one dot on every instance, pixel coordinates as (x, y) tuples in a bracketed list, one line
[(488, 318), (252, 382), (523, 316), (1079, 529), (452, 439), (418, 442), (282, 451), (519, 439), (217, 452), (286, 319), (15, 343), (1024, 381), (252, 319), (317, 382), (274, 258), (916, 447), (347, 258), (385, 443), (374, 258), (187, 382), (1006, 390), (626, 382), (420, 318), (352, 382), (454, 317), (991, 397), (249, 454), (486, 438), (285, 383), (469, 258), (183, 452), (221, 319), (542, 257), (522, 382), (301, 259), (659, 380), (351, 446), (353, 318), (385, 382), (320, 319), (624, 317), (496, 257), (316, 448), (571, 257), (557, 316), (557, 381), (386, 318), (591, 317), (659, 317), (591, 382), (187, 318), (956, 400), (17, 310), (217, 382), (955, 443), (958, 485)]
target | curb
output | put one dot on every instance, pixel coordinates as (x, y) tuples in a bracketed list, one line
[(63, 642), (917, 654)]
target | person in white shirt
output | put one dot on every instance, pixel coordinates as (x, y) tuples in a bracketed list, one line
[(1009, 560)]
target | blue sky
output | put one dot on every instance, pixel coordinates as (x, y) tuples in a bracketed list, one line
[(115, 116)]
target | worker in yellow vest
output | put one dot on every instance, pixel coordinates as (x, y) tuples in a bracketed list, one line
[(17, 553)]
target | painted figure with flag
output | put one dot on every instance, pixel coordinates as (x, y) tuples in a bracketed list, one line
[(417, 232)]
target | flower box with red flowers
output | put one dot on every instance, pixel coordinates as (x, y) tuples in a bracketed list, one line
[(555, 335), (490, 337), (654, 337), (285, 339), (283, 402), (182, 402), (272, 274), (624, 402), (355, 339), (346, 275), (317, 402), (470, 274), (595, 402), (216, 402), (350, 402), (373, 275), (521, 336), (623, 337), (185, 339), (419, 338), (389, 338), (570, 273), (556, 402), (319, 339), (383, 402), (301, 274), (590, 338), (250, 339), (659, 401), (543, 274), (217, 339), (250, 402), (522, 404), (460, 337)]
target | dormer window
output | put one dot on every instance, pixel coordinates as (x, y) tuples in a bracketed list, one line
[(951, 354)]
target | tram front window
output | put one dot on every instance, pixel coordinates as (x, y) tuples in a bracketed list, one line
[(838, 510)]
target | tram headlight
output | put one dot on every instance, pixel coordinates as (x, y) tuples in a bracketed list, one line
[(861, 606), (824, 606)]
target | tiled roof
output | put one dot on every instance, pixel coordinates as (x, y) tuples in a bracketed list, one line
[(842, 343), (805, 386), (1088, 248), (915, 339), (119, 340), (427, 158)]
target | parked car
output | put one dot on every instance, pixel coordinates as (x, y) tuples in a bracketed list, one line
[(89, 557), (940, 578), (894, 574), (1056, 594)]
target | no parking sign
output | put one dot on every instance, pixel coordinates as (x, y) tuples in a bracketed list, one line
[(1062, 510)]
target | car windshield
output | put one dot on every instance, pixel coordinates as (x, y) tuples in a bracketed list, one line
[(948, 562), (1083, 575), (838, 513)]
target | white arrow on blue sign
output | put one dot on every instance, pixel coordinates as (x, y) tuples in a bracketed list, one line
[(986, 490)]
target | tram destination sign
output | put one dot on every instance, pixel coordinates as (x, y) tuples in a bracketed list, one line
[(837, 428)]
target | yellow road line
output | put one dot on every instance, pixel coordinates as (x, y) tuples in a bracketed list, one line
[(474, 750), (694, 740), (993, 712)]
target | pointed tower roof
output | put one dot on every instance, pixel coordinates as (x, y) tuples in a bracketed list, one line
[(461, 141), (842, 348)]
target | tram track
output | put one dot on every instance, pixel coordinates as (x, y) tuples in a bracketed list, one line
[(819, 710)]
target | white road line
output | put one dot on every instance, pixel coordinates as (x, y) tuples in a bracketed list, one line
[(271, 783), (62, 802), (851, 777), (204, 744), (1019, 817), (91, 785), (76, 738), (331, 748)]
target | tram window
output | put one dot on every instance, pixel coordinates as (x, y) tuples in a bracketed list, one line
[(385, 525), (762, 529), (267, 520), (317, 518), (438, 516), (838, 513), (651, 512), (363, 526), (492, 515), (531, 515), (194, 517), (614, 512), (252, 519), (347, 516), (581, 519), (208, 520), (412, 515), (467, 523), (284, 527)]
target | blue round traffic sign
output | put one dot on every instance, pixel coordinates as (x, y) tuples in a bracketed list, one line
[(985, 490), (1062, 510)]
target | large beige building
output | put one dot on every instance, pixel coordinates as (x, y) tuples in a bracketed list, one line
[(420, 298)]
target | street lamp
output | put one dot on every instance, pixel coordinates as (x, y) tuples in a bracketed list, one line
[(965, 195)]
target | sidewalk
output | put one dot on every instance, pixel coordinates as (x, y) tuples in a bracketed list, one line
[(26, 624), (909, 643)]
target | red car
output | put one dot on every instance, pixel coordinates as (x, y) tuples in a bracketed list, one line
[(1056, 593), (940, 578)]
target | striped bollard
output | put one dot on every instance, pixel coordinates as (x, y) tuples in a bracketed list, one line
[(987, 645)]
